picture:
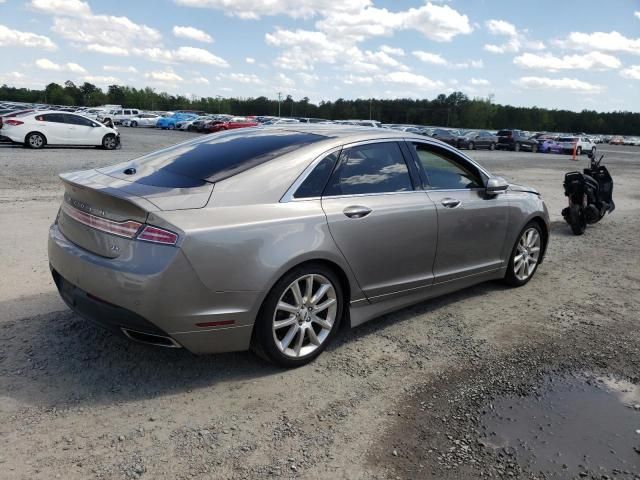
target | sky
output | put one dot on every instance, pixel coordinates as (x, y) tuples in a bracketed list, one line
[(566, 54)]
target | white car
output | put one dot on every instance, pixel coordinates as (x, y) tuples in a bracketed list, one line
[(118, 116), (37, 129), (142, 120), (582, 144)]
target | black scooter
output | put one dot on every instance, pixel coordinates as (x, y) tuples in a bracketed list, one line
[(590, 195)]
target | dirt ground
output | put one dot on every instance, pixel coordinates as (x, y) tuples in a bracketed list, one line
[(389, 399)]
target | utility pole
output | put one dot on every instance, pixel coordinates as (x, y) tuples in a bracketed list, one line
[(219, 97), (370, 109), (279, 98)]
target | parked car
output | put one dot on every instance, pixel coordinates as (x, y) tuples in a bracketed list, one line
[(546, 143), (232, 123), (477, 139), (37, 129), (445, 136), (198, 125), (187, 123), (228, 256), (142, 120), (119, 115), (616, 140), (516, 140), (581, 144), (169, 123)]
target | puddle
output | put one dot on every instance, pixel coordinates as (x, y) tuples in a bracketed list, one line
[(570, 425)]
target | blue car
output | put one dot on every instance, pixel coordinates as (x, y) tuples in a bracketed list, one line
[(170, 122)]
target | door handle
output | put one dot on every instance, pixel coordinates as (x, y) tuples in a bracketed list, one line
[(356, 211), (451, 202)]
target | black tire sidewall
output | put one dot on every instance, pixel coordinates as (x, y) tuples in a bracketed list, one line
[(263, 342), (510, 276)]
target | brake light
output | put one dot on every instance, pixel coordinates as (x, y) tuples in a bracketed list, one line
[(157, 235), (126, 229), (15, 123)]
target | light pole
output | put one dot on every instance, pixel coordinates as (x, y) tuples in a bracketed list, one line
[(279, 98), (370, 109), (219, 97)]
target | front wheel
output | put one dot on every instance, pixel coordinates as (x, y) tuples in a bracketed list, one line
[(516, 147), (492, 146), (134, 124), (172, 126), (525, 256), (299, 316), (109, 142), (472, 146)]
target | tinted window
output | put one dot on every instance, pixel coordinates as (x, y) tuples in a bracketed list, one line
[(504, 133), (78, 120), (315, 182), (53, 117), (374, 168), (220, 157), (445, 172)]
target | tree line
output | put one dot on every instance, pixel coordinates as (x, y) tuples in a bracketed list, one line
[(454, 110)]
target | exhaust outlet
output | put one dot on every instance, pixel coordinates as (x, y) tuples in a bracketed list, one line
[(150, 338)]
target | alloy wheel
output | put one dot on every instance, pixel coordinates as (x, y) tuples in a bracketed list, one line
[(110, 142), (305, 315), (527, 254), (35, 141)]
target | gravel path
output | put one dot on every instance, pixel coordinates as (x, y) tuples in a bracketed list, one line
[(77, 403)]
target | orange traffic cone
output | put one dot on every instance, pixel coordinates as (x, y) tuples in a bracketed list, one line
[(575, 146)]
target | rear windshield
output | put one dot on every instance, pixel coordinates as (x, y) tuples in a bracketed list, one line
[(567, 139), (504, 133), (221, 156)]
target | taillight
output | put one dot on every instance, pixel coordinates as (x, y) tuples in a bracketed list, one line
[(157, 235), (13, 122)]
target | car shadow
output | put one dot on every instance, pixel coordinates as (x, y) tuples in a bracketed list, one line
[(58, 358)]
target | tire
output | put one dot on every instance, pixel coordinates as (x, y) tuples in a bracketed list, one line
[(133, 124), (492, 146), (109, 142), (290, 344), (524, 252), (579, 151), (516, 147), (172, 126), (35, 140), (577, 222), (593, 151), (534, 148), (472, 146)]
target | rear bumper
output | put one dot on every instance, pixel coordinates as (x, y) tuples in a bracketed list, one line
[(162, 297)]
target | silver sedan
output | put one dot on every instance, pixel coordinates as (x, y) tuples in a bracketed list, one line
[(269, 238)]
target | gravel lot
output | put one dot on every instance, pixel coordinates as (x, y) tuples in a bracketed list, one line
[(401, 397)]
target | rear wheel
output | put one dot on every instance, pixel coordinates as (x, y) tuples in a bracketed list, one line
[(109, 142), (472, 146), (35, 140), (172, 126), (516, 147), (525, 256), (299, 316), (492, 146), (134, 123), (534, 148), (579, 151)]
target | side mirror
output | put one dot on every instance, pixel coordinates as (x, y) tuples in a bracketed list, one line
[(496, 185)]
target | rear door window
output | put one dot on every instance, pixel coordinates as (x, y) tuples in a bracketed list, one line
[(370, 169), (53, 117)]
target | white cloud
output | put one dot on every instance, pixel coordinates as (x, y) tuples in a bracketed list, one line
[(101, 80), (198, 55), (192, 34), (602, 41), (427, 57), (250, 60), (637, 14), (479, 82), (413, 79), (357, 80), (16, 38), (514, 40), (549, 62), (437, 22), (571, 84), (633, 72), (243, 78), (107, 49), (392, 50), (119, 68), (252, 10), (201, 80), (167, 76), (46, 64), (62, 7)]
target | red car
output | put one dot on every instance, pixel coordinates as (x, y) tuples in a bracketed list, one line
[(234, 122)]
